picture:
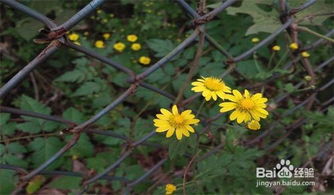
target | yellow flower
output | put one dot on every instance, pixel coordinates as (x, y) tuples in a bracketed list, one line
[(254, 125), (211, 87), (175, 122), (305, 54), (119, 46), (170, 188), (99, 44), (73, 36), (293, 46), (135, 46), (255, 40), (308, 77), (132, 38), (144, 60), (276, 48), (246, 107), (106, 36)]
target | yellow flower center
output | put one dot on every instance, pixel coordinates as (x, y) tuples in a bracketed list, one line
[(213, 84), (178, 119), (247, 104)]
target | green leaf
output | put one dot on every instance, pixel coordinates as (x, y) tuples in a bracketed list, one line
[(66, 183), (264, 21), (43, 149), (71, 76), (29, 127), (87, 88), (30, 104), (74, 115), (16, 148), (161, 47), (318, 8), (35, 184), (14, 160), (28, 28), (8, 180), (101, 160), (6, 127), (83, 148)]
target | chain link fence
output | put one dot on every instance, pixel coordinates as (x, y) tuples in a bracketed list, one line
[(58, 39)]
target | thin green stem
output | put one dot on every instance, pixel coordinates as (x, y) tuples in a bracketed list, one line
[(200, 108), (256, 63), (281, 60), (305, 29), (271, 58)]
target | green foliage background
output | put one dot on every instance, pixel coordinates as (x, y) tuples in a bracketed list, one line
[(74, 86)]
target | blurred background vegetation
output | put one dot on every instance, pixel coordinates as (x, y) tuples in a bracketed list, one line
[(74, 86)]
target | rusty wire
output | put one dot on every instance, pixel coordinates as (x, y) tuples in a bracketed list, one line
[(58, 38)]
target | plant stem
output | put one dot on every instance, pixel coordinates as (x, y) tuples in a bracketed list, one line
[(305, 29), (271, 58), (200, 108), (255, 61)]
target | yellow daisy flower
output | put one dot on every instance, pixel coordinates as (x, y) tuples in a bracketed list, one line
[(255, 40), (305, 54), (132, 38), (106, 36), (73, 36), (254, 125), (144, 60), (180, 123), (246, 107), (170, 188), (276, 48), (119, 46), (99, 44), (211, 87), (135, 46), (293, 46)]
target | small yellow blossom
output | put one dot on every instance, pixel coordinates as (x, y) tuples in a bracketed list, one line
[(136, 46), (119, 46), (293, 46), (254, 125), (305, 54), (170, 188), (99, 44), (132, 38), (180, 123), (246, 107), (73, 36), (86, 33), (144, 60), (211, 87), (106, 36), (255, 40), (276, 48), (308, 77)]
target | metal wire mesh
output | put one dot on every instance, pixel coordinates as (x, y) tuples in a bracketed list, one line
[(58, 38)]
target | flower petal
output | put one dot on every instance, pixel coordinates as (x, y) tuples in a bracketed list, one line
[(190, 128), (227, 106), (178, 134), (175, 110), (170, 132)]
